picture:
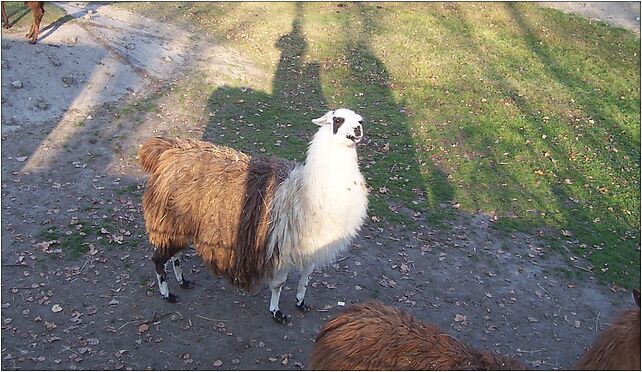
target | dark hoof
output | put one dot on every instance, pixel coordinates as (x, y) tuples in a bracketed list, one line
[(279, 317), (6, 26), (303, 307), (171, 299), (186, 284)]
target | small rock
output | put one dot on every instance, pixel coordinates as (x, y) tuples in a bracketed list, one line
[(17, 84), (168, 59), (56, 308), (218, 363), (89, 117)]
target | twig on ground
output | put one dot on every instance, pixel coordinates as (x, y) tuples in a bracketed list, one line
[(212, 320), (549, 295), (122, 326), (589, 270), (530, 351), (178, 338)]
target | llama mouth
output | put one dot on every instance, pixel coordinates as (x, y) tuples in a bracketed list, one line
[(353, 138)]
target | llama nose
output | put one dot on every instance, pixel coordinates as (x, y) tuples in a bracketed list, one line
[(357, 131)]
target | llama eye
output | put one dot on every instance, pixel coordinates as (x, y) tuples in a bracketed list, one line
[(336, 124)]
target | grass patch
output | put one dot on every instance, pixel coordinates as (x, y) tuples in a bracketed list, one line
[(74, 239), (506, 108)]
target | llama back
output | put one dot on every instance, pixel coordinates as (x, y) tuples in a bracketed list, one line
[(372, 336), (193, 195)]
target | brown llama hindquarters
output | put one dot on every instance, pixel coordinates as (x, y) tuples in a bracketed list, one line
[(618, 347), (373, 336), (38, 11)]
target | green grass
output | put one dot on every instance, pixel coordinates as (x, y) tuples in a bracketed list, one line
[(504, 108), (76, 244)]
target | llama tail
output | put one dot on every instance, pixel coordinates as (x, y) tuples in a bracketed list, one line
[(151, 151)]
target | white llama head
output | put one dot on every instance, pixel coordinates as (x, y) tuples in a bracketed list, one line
[(345, 125)]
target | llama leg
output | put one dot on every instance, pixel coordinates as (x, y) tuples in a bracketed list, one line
[(5, 19), (178, 271), (303, 285), (159, 260), (275, 286), (38, 11)]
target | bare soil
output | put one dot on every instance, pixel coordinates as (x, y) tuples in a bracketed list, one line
[(78, 288)]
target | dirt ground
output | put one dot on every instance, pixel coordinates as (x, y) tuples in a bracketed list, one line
[(78, 288)]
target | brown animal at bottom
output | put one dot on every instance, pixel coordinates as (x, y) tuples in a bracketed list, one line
[(373, 336), (38, 11), (618, 347)]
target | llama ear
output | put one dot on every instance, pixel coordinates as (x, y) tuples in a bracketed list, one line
[(636, 296), (324, 120)]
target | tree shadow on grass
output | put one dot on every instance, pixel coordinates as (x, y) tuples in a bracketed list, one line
[(564, 195), (279, 123)]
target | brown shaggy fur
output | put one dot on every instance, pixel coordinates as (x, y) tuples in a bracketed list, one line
[(217, 198), (618, 347), (373, 336)]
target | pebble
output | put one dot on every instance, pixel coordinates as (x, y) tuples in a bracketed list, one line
[(17, 84)]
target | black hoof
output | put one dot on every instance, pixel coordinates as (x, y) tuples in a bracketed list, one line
[(171, 299), (186, 284), (279, 317), (303, 307)]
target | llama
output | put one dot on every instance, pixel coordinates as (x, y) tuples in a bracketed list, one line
[(255, 218), (618, 347), (38, 11), (373, 336)]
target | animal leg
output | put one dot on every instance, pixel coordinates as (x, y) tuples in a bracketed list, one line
[(38, 10), (5, 19), (159, 260), (178, 271), (303, 285), (275, 286)]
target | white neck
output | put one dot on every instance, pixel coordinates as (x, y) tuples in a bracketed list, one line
[(330, 157)]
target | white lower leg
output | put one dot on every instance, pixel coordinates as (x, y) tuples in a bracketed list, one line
[(162, 285), (274, 300), (275, 286), (178, 269), (303, 284)]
